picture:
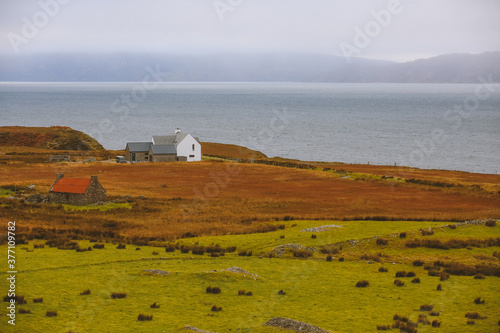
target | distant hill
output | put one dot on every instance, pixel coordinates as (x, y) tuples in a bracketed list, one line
[(452, 68), (54, 138)]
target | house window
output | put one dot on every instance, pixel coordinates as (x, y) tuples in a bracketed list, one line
[(146, 157), (193, 146), (192, 156)]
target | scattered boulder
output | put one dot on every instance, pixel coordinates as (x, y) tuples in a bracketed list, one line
[(156, 272), (322, 228), (291, 324), (194, 329), (35, 198)]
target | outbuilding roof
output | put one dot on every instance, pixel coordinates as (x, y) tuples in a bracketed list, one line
[(164, 149), (136, 147), (71, 185)]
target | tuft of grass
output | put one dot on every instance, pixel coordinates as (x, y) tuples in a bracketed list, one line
[(51, 314), (399, 283), (118, 295), (383, 270), (85, 292), (426, 307), (415, 280), (38, 300), (478, 300), (154, 306), (213, 290), (362, 284), (144, 317), (474, 315), (21, 310), (216, 308)]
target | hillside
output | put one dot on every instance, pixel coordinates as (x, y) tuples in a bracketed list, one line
[(130, 67), (53, 138)]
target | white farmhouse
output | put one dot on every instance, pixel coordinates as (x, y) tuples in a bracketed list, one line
[(188, 148)]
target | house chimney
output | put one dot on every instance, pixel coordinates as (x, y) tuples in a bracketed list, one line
[(178, 130), (59, 176)]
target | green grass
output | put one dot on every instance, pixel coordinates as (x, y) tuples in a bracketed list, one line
[(318, 292), (5, 193), (102, 208)]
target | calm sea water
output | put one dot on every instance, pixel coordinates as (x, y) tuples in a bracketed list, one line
[(441, 126)]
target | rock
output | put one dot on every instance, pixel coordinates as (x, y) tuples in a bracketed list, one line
[(291, 324), (194, 329), (239, 271), (156, 271), (35, 198), (321, 228)]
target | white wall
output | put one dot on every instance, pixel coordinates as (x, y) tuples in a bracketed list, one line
[(185, 148)]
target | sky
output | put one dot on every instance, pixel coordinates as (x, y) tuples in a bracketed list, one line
[(396, 30)]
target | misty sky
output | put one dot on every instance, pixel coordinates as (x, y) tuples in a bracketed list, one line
[(417, 28)]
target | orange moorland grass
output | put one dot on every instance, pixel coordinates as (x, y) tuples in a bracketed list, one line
[(213, 198)]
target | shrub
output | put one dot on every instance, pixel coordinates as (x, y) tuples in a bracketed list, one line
[(426, 307), (154, 306), (170, 248), (382, 241), (479, 276), (479, 301), (439, 287), (418, 263), (242, 253), (216, 308), (383, 327), (436, 323), (281, 292), (242, 292), (402, 235), (230, 249), (198, 250), (118, 295), (452, 226), (341, 259), (422, 319), (39, 246), (471, 322), (362, 284), (249, 293), (434, 313), (213, 290), (411, 274), (51, 314), (490, 223), (433, 272), (444, 276), (400, 274), (98, 246), (399, 283), (185, 248), (249, 253), (85, 292), (313, 236), (383, 269), (21, 310), (144, 317), (214, 255), (38, 300), (397, 317), (415, 280), (474, 315), (121, 246), (155, 253), (328, 258)]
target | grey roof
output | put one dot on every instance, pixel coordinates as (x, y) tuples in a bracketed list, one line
[(164, 149), (169, 139), (136, 147)]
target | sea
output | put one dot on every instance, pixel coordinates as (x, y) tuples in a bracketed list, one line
[(429, 126)]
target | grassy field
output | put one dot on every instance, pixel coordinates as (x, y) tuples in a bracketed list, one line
[(250, 215), (317, 291)]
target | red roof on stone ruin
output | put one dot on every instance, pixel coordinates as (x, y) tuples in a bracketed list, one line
[(71, 185)]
